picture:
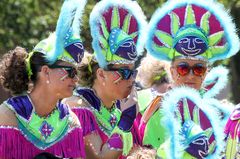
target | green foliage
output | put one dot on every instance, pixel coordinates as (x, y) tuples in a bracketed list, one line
[(149, 6), (25, 22), (85, 33)]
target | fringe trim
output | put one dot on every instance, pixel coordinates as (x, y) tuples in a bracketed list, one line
[(136, 133), (87, 120), (14, 145)]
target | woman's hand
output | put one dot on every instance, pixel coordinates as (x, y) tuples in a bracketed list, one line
[(130, 101)]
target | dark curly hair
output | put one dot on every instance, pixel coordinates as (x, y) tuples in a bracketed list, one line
[(13, 73), (46, 155), (87, 77)]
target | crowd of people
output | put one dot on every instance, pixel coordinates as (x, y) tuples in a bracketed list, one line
[(69, 103)]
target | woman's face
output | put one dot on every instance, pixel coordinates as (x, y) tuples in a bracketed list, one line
[(120, 80), (62, 79), (188, 72), (162, 88)]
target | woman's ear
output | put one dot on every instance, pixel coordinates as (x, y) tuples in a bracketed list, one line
[(100, 74), (45, 70), (208, 69), (174, 74), (171, 70), (205, 74), (44, 73)]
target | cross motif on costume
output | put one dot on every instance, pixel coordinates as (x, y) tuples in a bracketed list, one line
[(46, 129), (113, 120)]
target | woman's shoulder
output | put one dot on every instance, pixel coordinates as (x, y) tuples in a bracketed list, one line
[(7, 116), (75, 102), (74, 120)]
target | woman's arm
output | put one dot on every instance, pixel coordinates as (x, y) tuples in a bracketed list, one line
[(74, 101), (93, 143), (95, 149), (7, 116)]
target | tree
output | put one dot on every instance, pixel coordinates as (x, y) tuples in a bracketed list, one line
[(25, 22), (234, 61)]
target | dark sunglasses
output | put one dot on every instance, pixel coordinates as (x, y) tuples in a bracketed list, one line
[(125, 72), (72, 71), (198, 69)]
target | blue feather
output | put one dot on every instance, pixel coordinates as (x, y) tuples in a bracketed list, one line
[(223, 108), (64, 24), (219, 72), (78, 18)]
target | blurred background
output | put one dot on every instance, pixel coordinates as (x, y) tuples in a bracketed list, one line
[(25, 22)]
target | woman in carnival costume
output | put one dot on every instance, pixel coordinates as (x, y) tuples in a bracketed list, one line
[(36, 122), (154, 76), (191, 35), (117, 29), (232, 133)]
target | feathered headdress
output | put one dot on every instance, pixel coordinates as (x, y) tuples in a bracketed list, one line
[(192, 28), (186, 118), (65, 44), (117, 29), (214, 82)]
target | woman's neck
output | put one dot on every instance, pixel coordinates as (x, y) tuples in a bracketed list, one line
[(106, 100), (43, 102)]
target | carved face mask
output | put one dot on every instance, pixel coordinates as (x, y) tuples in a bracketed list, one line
[(191, 46)]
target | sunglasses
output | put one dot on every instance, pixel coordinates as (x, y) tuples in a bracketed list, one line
[(125, 73), (71, 71), (198, 69)]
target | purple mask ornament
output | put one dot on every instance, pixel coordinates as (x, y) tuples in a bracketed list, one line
[(196, 139), (199, 147), (191, 46), (122, 44), (127, 50), (76, 50)]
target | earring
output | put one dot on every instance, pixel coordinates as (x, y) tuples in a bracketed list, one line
[(178, 76), (104, 83), (47, 81)]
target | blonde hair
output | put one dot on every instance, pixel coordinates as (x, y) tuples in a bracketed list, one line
[(87, 70), (143, 153), (149, 69)]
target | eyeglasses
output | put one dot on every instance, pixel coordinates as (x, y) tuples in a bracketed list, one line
[(125, 73), (198, 69), (72, 71)]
